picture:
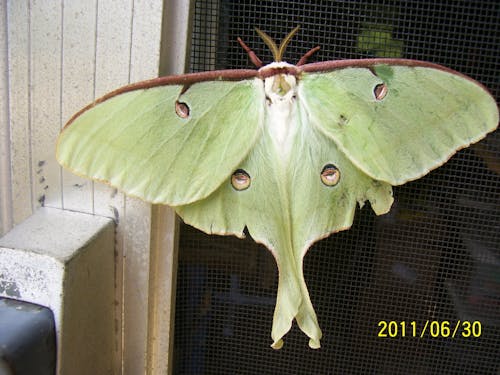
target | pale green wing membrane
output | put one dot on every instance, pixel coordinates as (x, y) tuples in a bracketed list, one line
[(420, 119), (167, 144)]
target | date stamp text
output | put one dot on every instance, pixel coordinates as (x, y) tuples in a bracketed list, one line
[(429, 328)]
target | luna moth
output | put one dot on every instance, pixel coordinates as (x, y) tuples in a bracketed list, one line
[(286, 151)]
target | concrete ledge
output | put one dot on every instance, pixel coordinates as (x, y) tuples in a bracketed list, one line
[(65, 261)]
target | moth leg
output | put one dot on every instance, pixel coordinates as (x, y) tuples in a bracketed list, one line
[(251, 54), (308, 54)]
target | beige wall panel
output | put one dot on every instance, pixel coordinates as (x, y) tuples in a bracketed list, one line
[(45, 103), (77, 75), (19, 108), (5, 184)]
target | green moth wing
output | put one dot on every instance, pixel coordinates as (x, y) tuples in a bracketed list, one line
[(287, 152), (423, 117), (141, 141)]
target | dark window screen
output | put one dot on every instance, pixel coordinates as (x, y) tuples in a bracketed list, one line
[(434, 257)]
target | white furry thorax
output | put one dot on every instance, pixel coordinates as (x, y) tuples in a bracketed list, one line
[(281, 120)]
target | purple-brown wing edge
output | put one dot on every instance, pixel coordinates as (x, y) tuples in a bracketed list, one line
[(264, 72), (367, 63)]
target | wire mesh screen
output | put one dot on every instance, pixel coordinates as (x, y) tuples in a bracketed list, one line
[(435, 257)]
